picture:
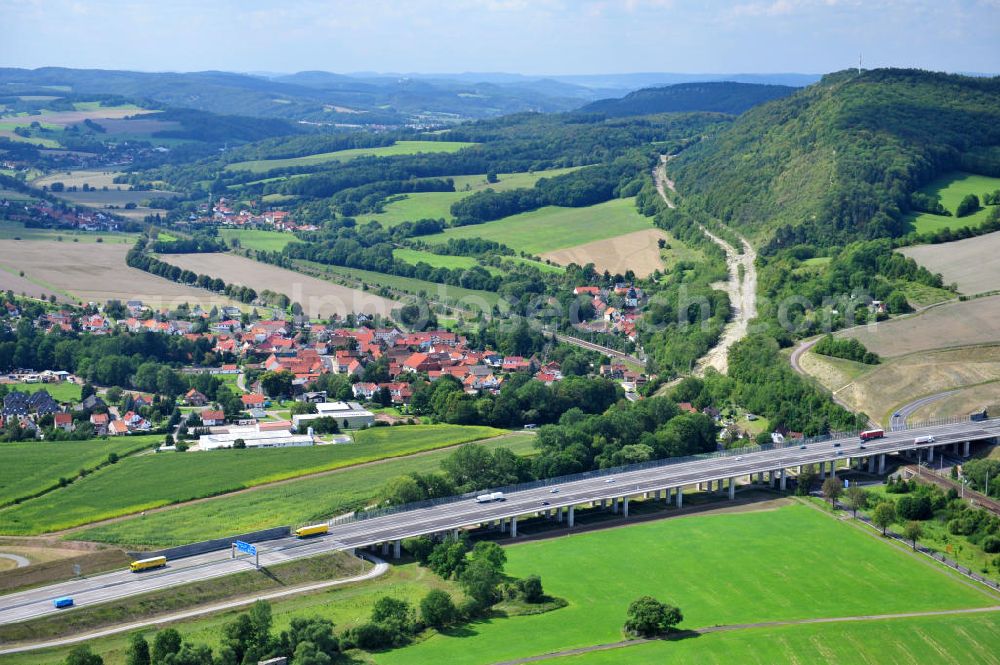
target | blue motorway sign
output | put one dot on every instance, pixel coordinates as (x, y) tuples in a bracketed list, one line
[(246, 547)]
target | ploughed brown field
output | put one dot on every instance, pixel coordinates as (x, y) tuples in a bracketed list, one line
[(319, 299)]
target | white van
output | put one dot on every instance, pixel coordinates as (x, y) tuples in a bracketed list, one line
[(923, 439)]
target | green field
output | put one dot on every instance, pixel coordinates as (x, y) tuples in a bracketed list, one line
[(437, 205), (952, 188), (149, 481), (791, 563), (30, 467), (934, 639), (409, 284), (298, 502), (413, 257), (61, 392), (551, 228), (398, 148), (269, 241), (541, 265)]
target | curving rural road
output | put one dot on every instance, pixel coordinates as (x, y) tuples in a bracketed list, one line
[(742, 292)]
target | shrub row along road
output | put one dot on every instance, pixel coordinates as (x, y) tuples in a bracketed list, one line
[(742, 292)]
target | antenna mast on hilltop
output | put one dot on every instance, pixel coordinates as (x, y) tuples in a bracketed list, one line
[(859, 64)]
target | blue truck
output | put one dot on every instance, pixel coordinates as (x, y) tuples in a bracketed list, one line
[(65, 601)]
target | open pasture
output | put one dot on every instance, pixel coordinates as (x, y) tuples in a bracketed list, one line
[(413, 257), (789, 563), (398, 148), (970, 638), (150, 481), (952, 188), (973, 263), (96, 272), (437, 205), (319, 299), (78, 178), (17, 231), (269, 241), (296, 502), (552, 228)]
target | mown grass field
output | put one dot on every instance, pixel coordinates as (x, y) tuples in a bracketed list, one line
[(433, 290), (413, 257), (150, 481), (269, 241), (934, 639), (30, 467), (968, 263), (296, 502), (398, 148), (61, 392), (437, 205), (552, 228), (952, 188), (791, 563)]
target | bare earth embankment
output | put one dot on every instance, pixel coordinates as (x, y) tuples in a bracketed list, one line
[(95, 272), (637, 251), (319, 299)]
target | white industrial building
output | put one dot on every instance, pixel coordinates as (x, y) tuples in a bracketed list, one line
[(349, 415), (253, 437)]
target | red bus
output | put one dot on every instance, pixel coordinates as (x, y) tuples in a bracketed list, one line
[(870, 434)]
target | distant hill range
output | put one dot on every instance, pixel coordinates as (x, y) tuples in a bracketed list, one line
[(838, 160), (720, 97), (360, 99)]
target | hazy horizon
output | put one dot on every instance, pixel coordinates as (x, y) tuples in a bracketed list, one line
[(535, 38)]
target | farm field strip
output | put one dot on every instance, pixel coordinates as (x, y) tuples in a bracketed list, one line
[(268, 241), (552, 228), (637, 251), (398, 148), (150, 481), (319, 298), (294, 502), (434, 291)]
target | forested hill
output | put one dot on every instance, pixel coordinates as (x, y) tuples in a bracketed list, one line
[(719, 97), (838, 160)]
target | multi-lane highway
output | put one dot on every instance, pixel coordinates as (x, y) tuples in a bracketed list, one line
[(468, 512)]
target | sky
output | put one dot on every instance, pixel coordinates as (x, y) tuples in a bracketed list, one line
[(534, 37)]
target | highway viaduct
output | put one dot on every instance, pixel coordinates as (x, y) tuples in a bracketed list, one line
[(664, 480)]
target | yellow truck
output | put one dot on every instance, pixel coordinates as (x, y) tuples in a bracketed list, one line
[(311, 530), (146, 564)]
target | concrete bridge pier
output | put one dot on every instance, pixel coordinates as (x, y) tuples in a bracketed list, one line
[(571, 517), (784, 481), (881, 464), (385, 549), (833, 469), (822, 470), (930, 453), (732, 489), (397, 549), (513, 527), (625, 507), (614, 506), (668, 492), (965, 449), (680, 497), (559, 515)]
